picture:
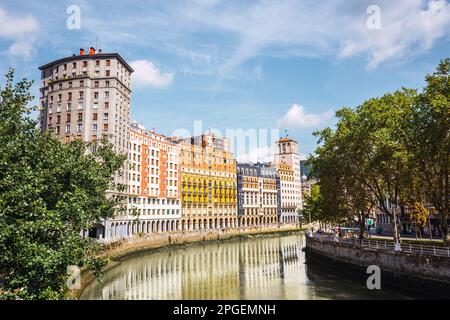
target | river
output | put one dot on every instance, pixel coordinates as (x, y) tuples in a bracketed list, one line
[(272, 267)]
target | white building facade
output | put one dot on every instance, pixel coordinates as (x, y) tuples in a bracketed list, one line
[(287, 159), (153, 197)]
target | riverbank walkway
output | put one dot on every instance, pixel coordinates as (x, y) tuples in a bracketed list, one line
[(383, 245)]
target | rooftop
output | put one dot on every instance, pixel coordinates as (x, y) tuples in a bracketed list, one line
[(88, 56)]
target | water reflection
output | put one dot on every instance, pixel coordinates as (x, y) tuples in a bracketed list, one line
[(259, 268)]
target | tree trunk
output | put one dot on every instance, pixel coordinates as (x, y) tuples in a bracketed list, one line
[(444, 228), (362, 230), (396, 230)]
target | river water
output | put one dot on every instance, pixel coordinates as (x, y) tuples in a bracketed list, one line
[(257, 268)]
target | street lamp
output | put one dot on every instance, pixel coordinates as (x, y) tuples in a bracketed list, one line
[(397, 245), (429, 226)]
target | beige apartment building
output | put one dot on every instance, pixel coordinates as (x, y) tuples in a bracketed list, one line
[(85, 96)]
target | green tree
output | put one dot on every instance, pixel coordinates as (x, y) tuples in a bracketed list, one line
[(312, 205), (49, 193), (377, 151), (432, 142), (350, 199)]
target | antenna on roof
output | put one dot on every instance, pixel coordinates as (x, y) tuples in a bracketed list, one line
[(286, 132)]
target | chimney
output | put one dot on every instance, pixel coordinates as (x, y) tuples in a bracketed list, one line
[(91, 50), (81, 52)]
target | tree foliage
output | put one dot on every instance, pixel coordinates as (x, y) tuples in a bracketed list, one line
[(49, 193), (388, 153), (419, 214)]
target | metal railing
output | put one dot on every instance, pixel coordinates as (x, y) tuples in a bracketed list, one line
[(420, 249)]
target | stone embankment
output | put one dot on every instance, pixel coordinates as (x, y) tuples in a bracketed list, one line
[(424, 267)]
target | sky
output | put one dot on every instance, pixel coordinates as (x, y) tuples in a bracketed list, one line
[(268, 68)]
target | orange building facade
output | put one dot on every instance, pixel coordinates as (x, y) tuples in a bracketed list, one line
[(153, 197)]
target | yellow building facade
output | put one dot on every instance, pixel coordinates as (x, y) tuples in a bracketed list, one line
[(208, 183)]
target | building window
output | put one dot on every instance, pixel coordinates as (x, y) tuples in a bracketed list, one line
[(69, 96), (79, 126), (108, 63), (95, 105), (105, 127), (108, 73), (106, 94), (105, 116), (106, 105), (95, 95), (96, 84), (107, 83), (69, 106), (94, 116), (81, 83), (80, 105), (94, 127), (97, 63), (80, 117), (68, 117), (74, 65), (68, 128), (84, 64)]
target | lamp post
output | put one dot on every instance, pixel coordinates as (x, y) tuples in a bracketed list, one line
[(429, 226), (397, 246)]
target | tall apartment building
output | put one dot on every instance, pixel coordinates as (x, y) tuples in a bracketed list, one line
[(259, 198), (153, 186), (86, 96), (287, 161), (208, 177)]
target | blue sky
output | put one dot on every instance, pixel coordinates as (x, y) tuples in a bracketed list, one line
[(281, 64)]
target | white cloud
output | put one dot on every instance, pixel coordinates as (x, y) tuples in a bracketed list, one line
[(147, 74), (259, 154), (334, 29), (22, 49), (406, 31), (13, 27), (21, 30), (297, 117)]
